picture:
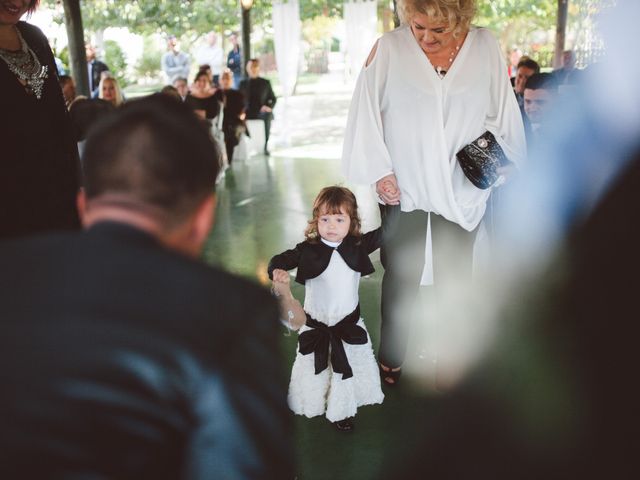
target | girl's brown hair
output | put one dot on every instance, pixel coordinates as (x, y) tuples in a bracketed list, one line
[(332, 200)]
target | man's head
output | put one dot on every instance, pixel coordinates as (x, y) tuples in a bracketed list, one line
[(68, 87), (90, 52), (526, 68), (172, 43), (182, 86), (539, 95), (226, 79), (233, 38), (152, 164), (253, 68), (212, 39)]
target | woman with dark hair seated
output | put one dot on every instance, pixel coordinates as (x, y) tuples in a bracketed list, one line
[(201, 97), (39, 180)]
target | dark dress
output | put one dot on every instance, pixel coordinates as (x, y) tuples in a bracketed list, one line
[(210, 105), (39, 161), (232, 125)]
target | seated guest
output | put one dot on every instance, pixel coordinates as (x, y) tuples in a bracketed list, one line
[(171, 91), (201, 97), (121, 354), (110, 91), (181, 85), (233, 124), (540, 93), (68, 86), (259, 98), (85, 113), (526, 68), (568, 74)]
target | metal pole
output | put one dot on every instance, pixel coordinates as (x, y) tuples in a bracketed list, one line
[(75, 36), (246, 37), (561, 30)]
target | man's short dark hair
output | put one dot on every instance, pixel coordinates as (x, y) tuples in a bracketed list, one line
[(529, 63), (544, 81), (156, 152)]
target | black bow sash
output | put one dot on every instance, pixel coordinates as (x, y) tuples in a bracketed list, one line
[(318, 339)]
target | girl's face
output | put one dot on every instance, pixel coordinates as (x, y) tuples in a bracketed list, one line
[(108, 91), (333, 227)]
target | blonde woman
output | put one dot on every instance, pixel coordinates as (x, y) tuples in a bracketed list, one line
[(428, 88), (109, 90)]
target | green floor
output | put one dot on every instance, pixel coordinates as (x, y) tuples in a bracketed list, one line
[(263, 205)]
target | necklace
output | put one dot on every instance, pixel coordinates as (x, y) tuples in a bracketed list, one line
[(25, 65), (442, 71)]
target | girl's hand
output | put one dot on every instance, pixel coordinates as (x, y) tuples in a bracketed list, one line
[(387, 190), (281, 276)]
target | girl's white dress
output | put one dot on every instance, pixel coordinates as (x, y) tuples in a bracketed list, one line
[(329, 298)]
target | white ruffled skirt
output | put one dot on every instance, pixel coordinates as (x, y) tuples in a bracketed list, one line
[(327, 393)]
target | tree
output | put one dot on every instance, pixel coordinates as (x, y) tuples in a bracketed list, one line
[(117, 62)]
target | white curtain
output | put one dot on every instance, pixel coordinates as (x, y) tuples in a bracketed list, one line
[(361, 24), (286, 34)]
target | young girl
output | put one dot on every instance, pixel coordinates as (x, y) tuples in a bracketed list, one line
[(335, 371)]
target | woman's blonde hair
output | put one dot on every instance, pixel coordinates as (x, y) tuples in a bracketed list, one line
[(458, 14), (332, 200), (119, 99)]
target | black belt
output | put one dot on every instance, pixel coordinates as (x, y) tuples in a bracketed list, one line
[(318, 339)]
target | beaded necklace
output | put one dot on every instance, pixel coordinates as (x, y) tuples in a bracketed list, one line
[(442, 71), (25, 65)]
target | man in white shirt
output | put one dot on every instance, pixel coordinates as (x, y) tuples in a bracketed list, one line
[(210, 53), (175, 63)]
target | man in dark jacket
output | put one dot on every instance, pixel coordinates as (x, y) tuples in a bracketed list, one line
[(95, 69), (121, 354), (259, 97)]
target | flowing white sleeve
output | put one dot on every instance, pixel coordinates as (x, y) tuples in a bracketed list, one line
[(504, 119), (365, 158)]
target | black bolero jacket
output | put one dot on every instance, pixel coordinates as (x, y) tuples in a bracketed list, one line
[(313, 258)]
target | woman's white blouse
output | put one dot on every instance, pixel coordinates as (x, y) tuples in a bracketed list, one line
[(407, 120)]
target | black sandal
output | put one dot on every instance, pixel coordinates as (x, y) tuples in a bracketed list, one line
[(390, 377), (345, 425)]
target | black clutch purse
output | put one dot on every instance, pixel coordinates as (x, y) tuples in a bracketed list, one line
[(480, 160)]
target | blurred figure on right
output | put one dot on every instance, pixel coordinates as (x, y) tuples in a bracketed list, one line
[(555, 396)]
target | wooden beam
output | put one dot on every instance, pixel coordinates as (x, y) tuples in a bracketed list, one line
[(75, 36), (561, 30)]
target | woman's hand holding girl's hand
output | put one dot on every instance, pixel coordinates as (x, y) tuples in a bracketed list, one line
[(387, 190), (281, 282)]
